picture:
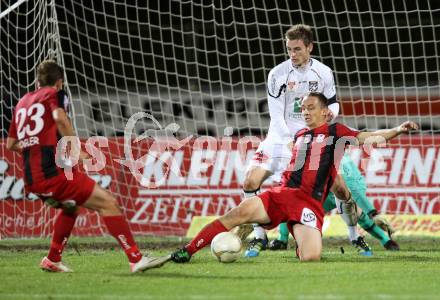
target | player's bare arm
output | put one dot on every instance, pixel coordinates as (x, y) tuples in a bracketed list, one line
[(387, 134), (13, 145), (340, 189), (65, 128)]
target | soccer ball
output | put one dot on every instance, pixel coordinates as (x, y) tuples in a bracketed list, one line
[(226, 247)]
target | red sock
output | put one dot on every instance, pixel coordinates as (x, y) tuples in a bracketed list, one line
[(62, 228), (205, 236), (118, 228)]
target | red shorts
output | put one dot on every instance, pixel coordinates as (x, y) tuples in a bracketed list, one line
[(59, 188), (284, 204)]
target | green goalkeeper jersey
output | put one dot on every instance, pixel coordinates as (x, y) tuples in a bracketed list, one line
[(350, 172)]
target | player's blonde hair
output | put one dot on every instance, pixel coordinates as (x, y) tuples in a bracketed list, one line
[(48, 72), (300, 32)]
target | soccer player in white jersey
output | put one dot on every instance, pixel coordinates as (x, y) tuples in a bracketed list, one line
[(287, 84)]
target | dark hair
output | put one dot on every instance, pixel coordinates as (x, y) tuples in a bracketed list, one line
[(321, 98), (300, 32), (48, 72)]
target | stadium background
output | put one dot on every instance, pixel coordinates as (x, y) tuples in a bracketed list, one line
[(203, 65)]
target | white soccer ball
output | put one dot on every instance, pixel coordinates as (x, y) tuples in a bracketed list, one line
[(226, 247)]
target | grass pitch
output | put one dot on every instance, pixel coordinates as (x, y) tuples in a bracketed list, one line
[(101, 272)]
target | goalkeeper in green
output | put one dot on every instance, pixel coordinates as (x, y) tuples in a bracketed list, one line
[(369, 219)]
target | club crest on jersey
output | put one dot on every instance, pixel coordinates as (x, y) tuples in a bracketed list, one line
[(291, 85), (320, 138), (313, 86), (307, 138), (260, 157)]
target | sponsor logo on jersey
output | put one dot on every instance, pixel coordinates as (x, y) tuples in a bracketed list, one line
[(307, 138), (320, 138), (291, 85), (260, 156), (313, 86)]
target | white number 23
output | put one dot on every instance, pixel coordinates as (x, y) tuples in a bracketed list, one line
[(35, 113)]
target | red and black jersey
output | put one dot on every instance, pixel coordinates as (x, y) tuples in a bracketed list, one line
[(315, 158), (33, 125)]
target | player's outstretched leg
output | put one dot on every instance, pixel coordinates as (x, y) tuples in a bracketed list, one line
[(250, 210), (203, 238), (283, 237), (244, 230), (367, 222), (359, 193), (106, 205), (62, 228)]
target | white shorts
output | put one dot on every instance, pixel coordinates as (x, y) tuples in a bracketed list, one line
[(273, 156)]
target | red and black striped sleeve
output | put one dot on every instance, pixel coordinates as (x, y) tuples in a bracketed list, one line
[(12, 127), (58, 100)]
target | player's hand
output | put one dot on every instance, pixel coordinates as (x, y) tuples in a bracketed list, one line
[(330, 116), (407, 126), (384, 224)]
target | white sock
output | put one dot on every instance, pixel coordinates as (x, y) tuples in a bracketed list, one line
[(348, 211), (259, 232), (352, 233)]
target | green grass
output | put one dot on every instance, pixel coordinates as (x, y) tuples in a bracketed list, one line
[(102, 273)]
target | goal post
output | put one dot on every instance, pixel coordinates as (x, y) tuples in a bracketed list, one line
[(198, 69)]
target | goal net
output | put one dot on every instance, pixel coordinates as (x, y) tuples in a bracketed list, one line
[(189, 79)]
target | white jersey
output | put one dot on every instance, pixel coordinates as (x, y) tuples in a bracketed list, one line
[(286, 86)]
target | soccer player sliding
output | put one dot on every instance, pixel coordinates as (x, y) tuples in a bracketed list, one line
[(298, 201), (287, 84)]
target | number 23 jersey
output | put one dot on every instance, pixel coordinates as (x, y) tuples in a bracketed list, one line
[(34, 127)]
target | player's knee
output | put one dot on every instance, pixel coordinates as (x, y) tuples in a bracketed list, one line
[(113, 204), (310, 256)]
